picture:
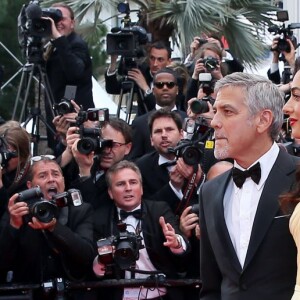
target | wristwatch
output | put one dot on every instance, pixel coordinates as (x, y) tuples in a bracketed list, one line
[(148, 92)]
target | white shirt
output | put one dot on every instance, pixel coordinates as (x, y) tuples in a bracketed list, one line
[(143, 263), (240, 205)]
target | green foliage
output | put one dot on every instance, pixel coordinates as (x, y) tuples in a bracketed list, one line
[(9, 40)]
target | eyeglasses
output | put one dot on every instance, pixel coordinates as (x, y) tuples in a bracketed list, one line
[(42, 157), (117, 145), (161, 84)]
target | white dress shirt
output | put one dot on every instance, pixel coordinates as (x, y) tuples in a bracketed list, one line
[(240, 204)]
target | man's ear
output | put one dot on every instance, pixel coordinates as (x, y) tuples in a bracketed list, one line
[(29, 184), (110, 194), (265, 120)]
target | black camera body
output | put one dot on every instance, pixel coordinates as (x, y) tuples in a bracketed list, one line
[(65, 106), (195, 209), (285, 33), (127, 41), (190, 151), (31, 19), (90, 140), (200, 106), (210, 63), (121, 250), (46, 210), (207, 84), (5, 154), (39, 208)]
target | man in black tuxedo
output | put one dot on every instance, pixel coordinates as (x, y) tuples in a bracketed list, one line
[(159, 57), (165, 90), (247, 251), (164, 251)]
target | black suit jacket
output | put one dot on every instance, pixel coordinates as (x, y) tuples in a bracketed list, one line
[(141, 135), (269, 270), (35, 257), (156, 182), (70, 64), (105, 220)]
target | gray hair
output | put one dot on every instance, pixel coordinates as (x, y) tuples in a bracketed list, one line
[(259, 94), (123, 164)]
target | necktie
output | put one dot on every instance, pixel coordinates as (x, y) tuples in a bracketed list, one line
[(136, 213), (240, 176)]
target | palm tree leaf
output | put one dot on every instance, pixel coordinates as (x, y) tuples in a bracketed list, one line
[(238, 20)]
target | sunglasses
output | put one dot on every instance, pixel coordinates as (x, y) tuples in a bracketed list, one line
[(161, 84), (42, 157)]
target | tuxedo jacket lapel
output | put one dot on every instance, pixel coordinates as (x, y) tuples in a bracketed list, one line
[(221, 235), (268, 206)]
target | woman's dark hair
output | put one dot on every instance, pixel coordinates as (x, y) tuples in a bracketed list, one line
[(288, 201)]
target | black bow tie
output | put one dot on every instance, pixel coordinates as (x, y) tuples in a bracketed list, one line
[(240, 176), (136, 213)]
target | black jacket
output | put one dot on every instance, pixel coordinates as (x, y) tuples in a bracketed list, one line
[(70, 64)]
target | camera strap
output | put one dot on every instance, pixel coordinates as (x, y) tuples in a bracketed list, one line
[(188, 192)]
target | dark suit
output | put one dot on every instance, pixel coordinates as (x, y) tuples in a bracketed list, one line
[(156, 181), (105, 220), (70, 64), (35, 257), (269, 270), (141, 135)]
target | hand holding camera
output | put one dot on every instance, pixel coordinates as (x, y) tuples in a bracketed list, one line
[(189, 220)]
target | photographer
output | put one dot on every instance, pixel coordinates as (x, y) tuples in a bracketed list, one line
[(159, 56), (39, 250), (164, 177), (288, 60), (68, 60), (88, 169), (162, 250), (14, 161), (209, 60)]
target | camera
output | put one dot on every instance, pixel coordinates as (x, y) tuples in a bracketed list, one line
[(210, 63), (202, 41), (46, 210), (64, 107), (70, 197), (5, 154), (190, 151), (195, 209), (90, 140), (126, 41), (40, 208), (200, 106), (32, 28), (92, 114), (121, 250), (285, 33), (35, 25)]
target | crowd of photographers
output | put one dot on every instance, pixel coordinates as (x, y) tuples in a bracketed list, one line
[(116, 200)]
